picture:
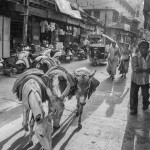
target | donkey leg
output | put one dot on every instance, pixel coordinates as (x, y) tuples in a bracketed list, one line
[(79, 121), (25, 119), (78, 109), (31, 130)]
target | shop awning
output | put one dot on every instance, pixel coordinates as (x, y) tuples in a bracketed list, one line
[(64, 7)]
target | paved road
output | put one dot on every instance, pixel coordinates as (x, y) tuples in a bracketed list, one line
[(106, 122)]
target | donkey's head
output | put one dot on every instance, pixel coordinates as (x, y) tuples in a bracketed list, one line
[(44, 131), (83, 77), (43, 125), (56, 96)]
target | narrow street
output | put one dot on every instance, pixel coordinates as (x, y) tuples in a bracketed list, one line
[(106, 122)]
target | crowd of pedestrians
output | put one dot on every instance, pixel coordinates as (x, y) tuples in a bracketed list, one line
[(119, 57)]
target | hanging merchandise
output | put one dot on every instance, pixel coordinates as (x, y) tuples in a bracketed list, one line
[(44, 25), (75, 30), (52, 26)]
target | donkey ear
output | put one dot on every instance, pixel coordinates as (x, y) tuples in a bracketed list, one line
[(92, 73), (49, 93), (52, 114)]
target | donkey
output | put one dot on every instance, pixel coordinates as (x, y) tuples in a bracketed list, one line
[(45, 63), (59, 81), (32, 91), (63, 84), (86, 85)]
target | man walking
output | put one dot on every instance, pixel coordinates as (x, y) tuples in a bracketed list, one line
[(140, 77)]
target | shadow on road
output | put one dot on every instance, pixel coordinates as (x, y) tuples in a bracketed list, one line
[(64, 127), (69, 138), (137, 133), (17, 111), (15, 144), (96, 100), (102, 94), (22, 143), (117, 95)]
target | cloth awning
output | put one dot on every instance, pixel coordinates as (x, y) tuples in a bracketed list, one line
[(65, 7)]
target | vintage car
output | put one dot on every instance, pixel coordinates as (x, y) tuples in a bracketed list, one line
[(98, 50)]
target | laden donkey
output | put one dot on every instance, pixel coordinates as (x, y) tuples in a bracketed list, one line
[(63, 84), (60, 82), (32, 91), (85, 86), (45, 63)]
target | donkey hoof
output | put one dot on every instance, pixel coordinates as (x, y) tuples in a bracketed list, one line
[(79, 126), (30, 143), (77, 114)]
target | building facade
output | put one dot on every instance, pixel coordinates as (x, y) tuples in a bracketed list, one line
[(119, 18)]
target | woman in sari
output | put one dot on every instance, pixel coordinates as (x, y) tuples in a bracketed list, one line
[(113, 59), (125, 58)]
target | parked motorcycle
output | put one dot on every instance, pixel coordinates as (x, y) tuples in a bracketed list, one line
[(24, 60), (77, 51), (81, 54), (9, 65), (68, 55)]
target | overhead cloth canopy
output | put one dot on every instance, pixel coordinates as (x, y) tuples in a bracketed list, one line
[(64, 7)]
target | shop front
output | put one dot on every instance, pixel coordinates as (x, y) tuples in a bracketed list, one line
[(59, 27)]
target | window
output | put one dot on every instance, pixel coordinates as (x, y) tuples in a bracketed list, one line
[(115, 16)]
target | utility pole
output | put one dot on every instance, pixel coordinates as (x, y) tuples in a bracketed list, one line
[(105, 20), (25, 22)]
